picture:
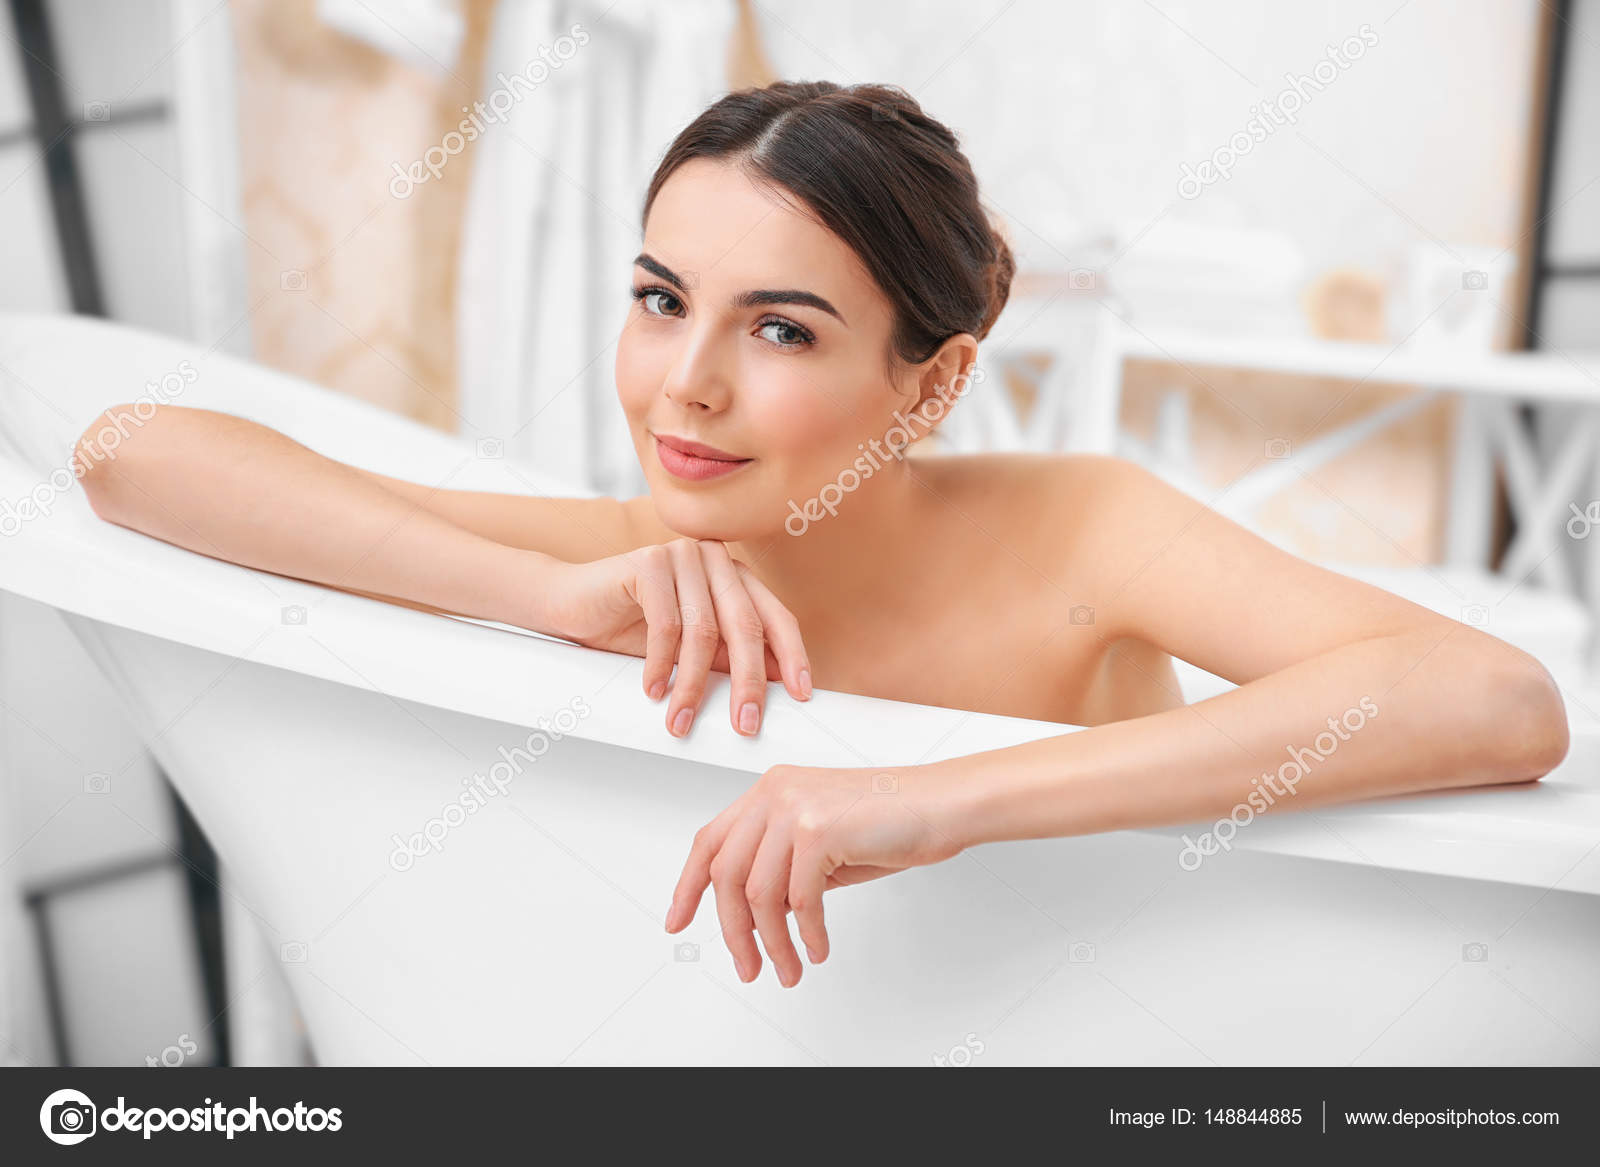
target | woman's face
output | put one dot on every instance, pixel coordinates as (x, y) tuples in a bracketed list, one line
[(758, 333)]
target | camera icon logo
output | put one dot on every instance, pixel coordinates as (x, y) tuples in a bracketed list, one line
[(292, 952), (1081, 953), (67, 1117), (885, 784), (685, 953), (491, 448), (97, 111), (1476, 615), (1277, 448), (293, 280), (1083, 279), (97, 783), (1475, 953), (1474, 281), (1080, 614), (294, 614)]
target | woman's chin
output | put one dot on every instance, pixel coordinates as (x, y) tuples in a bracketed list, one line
[(703, 518)]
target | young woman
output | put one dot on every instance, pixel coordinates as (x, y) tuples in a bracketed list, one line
[(815, 276)]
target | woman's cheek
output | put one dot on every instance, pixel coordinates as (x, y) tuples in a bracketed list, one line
[(635, 374), (812, 427)]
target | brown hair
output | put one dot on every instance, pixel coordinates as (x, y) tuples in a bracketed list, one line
[(883, 176)]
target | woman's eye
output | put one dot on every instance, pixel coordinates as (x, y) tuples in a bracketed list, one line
[(784, 334), (661, 303)]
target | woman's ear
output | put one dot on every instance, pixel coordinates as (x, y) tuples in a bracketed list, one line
[(947, 374)]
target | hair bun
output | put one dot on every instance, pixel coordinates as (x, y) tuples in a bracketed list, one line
[(889, 181), (1001, 269)]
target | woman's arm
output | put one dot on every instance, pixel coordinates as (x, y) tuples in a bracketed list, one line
[(238, 491), (1393, 715), (577, 530), (574, 568), (1345, 692), (1416, 700)]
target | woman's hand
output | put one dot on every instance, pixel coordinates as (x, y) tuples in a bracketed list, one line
[(799, 832), (691, 602)]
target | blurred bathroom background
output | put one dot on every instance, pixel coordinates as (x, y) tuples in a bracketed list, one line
[(1333, 268)]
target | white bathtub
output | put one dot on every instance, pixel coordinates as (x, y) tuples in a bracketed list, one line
[(534, 935)]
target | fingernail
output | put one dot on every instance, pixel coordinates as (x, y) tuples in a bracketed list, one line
[(743, 969), (805, 684), (657, 689), (682, 722), (672, 915), (749, 718), (787, 979), (811, 955)]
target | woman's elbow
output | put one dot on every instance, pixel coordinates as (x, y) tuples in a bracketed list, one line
[(1529, 718), (107, 441)]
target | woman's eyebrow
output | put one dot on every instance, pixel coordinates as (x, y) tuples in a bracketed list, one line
[(659, 270), (787, 296), (753, 299)]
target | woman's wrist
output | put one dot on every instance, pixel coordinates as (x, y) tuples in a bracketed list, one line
[(960, 799), (531, 591), (1019, 792)]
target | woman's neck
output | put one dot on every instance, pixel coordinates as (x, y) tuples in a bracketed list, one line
[(855, 556)]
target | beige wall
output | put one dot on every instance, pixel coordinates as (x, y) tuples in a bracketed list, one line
[(1382, 502), (322, 118)]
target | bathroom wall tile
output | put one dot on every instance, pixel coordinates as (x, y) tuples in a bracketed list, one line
[(130, 976), (114, 51), (83, 792), (1574, 227), (1571, 316), (33, 280), (132, 193), (14, 111)]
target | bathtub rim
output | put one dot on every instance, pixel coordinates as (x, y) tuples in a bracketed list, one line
[(1500, 834)]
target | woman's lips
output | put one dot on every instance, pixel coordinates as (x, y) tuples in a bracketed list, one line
[(694, 460)]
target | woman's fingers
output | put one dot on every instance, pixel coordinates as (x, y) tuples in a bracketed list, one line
[(698, 644), (657, 594), (703, 609), (744, 634), (696, 874), (730, 872), (782, 635), (767, 889), (808, 879)]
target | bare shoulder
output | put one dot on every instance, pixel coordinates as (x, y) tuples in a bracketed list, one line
[(1083, 512)]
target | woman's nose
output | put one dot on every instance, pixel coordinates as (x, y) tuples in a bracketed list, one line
[(699, 378)]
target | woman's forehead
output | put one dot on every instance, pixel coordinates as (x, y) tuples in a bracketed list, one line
[(716, 226)]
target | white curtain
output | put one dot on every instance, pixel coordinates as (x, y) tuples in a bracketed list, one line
[(553, 220)]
